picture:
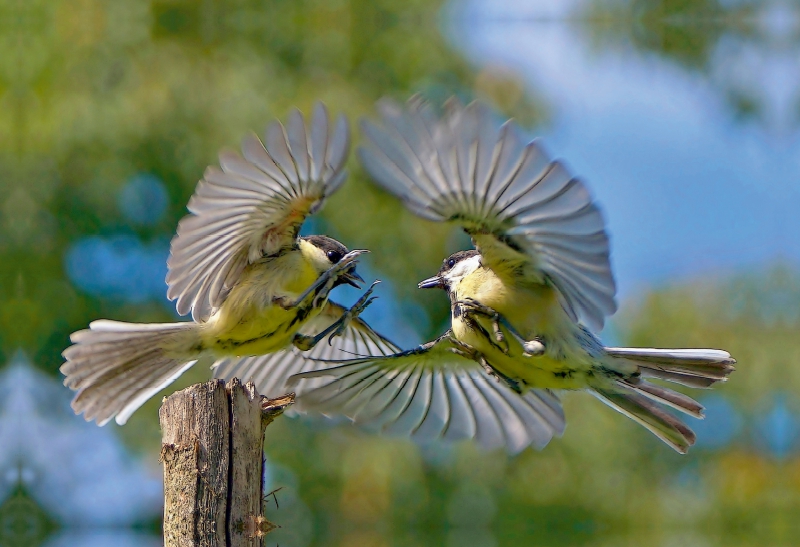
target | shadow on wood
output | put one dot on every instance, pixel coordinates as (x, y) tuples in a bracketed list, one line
[(212, 451)]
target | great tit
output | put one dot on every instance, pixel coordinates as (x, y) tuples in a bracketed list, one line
[(522, 302), (257, 291)]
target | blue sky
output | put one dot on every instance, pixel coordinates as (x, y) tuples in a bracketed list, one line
[(688, 189)]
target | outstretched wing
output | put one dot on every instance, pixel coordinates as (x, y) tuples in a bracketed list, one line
[(431, 393), (270, 372), (252, 206), (523, 211)]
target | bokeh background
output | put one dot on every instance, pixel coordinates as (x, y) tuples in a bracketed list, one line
[(682, 115)]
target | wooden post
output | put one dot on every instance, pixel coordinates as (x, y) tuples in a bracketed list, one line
[(212, 451)]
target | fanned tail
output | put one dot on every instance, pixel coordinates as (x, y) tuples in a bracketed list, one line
[(115, 367), (644, 402)]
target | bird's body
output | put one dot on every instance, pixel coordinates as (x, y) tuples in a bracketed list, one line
[(252, 321), (522, 302), (572, 358), (257, 291)]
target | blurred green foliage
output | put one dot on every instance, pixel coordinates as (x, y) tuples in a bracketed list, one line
[(22, 522), (717, 40), (96, 92)]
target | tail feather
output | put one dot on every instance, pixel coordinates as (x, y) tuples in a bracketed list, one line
[(641, 400), (649, 414), (115, 367), (699, 382), (665, 396), (696, 356), (692, 367)]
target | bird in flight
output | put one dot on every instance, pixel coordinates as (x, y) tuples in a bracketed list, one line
[(257, 291), (524, 302)]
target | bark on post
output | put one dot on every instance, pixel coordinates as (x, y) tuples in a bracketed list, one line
[(212, 451)]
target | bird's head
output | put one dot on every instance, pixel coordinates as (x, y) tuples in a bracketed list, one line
[(454, 268), (323, 252)]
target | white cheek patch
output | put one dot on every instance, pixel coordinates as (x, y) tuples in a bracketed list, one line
[(316, 256), (463, 269)]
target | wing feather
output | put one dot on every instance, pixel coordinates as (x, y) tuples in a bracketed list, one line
[(376, 412), (278, 147), (339, 145), (430, 393), (413, 412), (458, 168), (512, 423), (298, 143), (488, 430), (318, 142), (462, 424), (254, 152), (252, 205), (438, 413)]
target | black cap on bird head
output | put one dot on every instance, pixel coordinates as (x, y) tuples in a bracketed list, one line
[(334, 251), (439, 280)]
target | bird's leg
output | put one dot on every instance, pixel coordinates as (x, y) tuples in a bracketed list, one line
[(514, 385), (305, 342), (465, 350), (319, 289), (469, 306), (530, 348)]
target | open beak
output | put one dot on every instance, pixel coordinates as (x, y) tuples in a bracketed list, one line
[(435, 282), (352, 278)]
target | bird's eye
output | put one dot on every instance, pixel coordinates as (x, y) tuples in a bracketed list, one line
[(334, 256), (451, 262)]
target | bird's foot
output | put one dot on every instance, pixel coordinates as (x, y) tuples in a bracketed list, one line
[(465, 350), (530, 348), (339, 327), (327, 280), (319, 289), (514, 385), (469, 306), (304, 342)]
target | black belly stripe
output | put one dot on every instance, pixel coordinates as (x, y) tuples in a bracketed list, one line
[(302, 314), (230, 343)]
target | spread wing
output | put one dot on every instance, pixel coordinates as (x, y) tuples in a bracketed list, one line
[(431, 393), (252, 205), (522, 210), (270, 372)]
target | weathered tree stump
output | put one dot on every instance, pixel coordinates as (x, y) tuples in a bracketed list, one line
[(212, 451)]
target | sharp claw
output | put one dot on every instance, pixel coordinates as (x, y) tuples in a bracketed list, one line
[(354, 311), (366, 304), (338, 332)]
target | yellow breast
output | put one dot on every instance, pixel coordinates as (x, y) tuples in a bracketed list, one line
[(533, 311), (250, 322)]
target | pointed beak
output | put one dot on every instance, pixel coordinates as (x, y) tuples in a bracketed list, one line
[(352, 278), (435, 282)]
